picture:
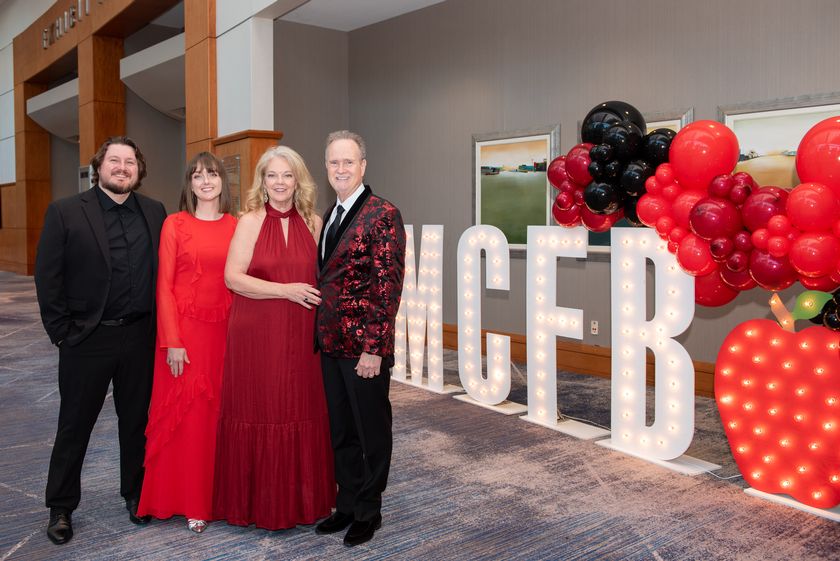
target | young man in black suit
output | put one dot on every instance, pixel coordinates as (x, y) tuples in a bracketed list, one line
[(95, 274)]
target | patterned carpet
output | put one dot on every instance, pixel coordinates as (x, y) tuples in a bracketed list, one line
[(466, 483)]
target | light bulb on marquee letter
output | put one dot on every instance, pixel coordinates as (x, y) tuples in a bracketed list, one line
[(495, 388), (421, 310), (673, 427), (545, 320)]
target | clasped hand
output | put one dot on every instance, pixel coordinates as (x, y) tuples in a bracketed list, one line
[(304, 294)]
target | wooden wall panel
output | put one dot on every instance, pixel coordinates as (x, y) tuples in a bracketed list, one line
[(200, 16), (200, 91), (194, 148), (24, 91), (99, 70), (249, 146), (32, 155), (13, 250), (101, 93)]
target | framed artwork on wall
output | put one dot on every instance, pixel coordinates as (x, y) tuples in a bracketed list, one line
[(599, 242), (510, 184), (769, 133)]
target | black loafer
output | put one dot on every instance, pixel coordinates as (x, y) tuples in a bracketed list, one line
[(362, 531), (60, 528), (131, 507), (335, 523)]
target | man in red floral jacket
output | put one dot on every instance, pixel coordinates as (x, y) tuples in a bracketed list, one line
[(361, 266)]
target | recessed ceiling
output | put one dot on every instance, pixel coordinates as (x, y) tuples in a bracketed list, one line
[(347, 15)]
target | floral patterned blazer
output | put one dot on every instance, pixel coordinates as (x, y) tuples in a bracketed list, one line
[(360, 279)]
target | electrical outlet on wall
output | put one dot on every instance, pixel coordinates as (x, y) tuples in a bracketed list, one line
[(593, 327)]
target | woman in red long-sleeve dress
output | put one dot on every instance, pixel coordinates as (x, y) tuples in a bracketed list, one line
[(192, 316)]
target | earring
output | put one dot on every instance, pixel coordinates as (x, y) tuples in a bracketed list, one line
[(265, 196)]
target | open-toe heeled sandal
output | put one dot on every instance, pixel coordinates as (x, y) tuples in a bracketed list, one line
[(196, 526)]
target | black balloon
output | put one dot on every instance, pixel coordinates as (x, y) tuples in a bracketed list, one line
[(602, 153), (596, 170), (634, 177), (831, 320), (829, 311), (630, 211), (656, 145), (604, 115), (625, 138), (818, 319), (601, 198), (612, 171)]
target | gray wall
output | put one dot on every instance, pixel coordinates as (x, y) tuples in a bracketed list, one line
[(163, 143), (422, 84), (64, 168), (311, 96)]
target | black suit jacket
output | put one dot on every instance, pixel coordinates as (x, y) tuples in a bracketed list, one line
[(73, 264)]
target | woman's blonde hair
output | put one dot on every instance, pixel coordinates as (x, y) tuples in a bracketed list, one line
[(305, 191)]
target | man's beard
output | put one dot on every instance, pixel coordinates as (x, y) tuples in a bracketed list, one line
[(118, 189)]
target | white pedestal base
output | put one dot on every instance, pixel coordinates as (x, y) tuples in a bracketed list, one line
[(505, 407), (572, 428), (684, 464), (832, 514), (447, 388)]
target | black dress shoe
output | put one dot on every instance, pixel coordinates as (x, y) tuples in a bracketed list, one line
[(335, 523), (131, 507), (60, 529), (362, 530)]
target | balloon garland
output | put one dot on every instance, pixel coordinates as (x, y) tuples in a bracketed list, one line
[(727, 231)]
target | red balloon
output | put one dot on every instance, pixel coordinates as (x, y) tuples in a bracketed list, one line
[(568, 217), (577, 164), (738, 262), (557, 171), (701, 151), (760, 238), (682, 205), (721, 186), (826, 283), (664, 225), (778, 246), (771, 273), (651, 208), (677, 234), (653, 186), (814, 255), (695, 257), (762, 205), (599, 222), (564, 201), (665, 174), (671, 192), (714, 218), (813, 207), (818, 155), (737, 280), (710, 290)]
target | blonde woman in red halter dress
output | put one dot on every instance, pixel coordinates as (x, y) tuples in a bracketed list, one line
[(192, 312), (274, 465)]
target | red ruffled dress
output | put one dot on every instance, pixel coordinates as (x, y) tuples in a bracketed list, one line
[(193, 304), (274, 463)]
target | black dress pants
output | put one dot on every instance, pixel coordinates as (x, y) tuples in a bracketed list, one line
[(124, 355), (360, 428)]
